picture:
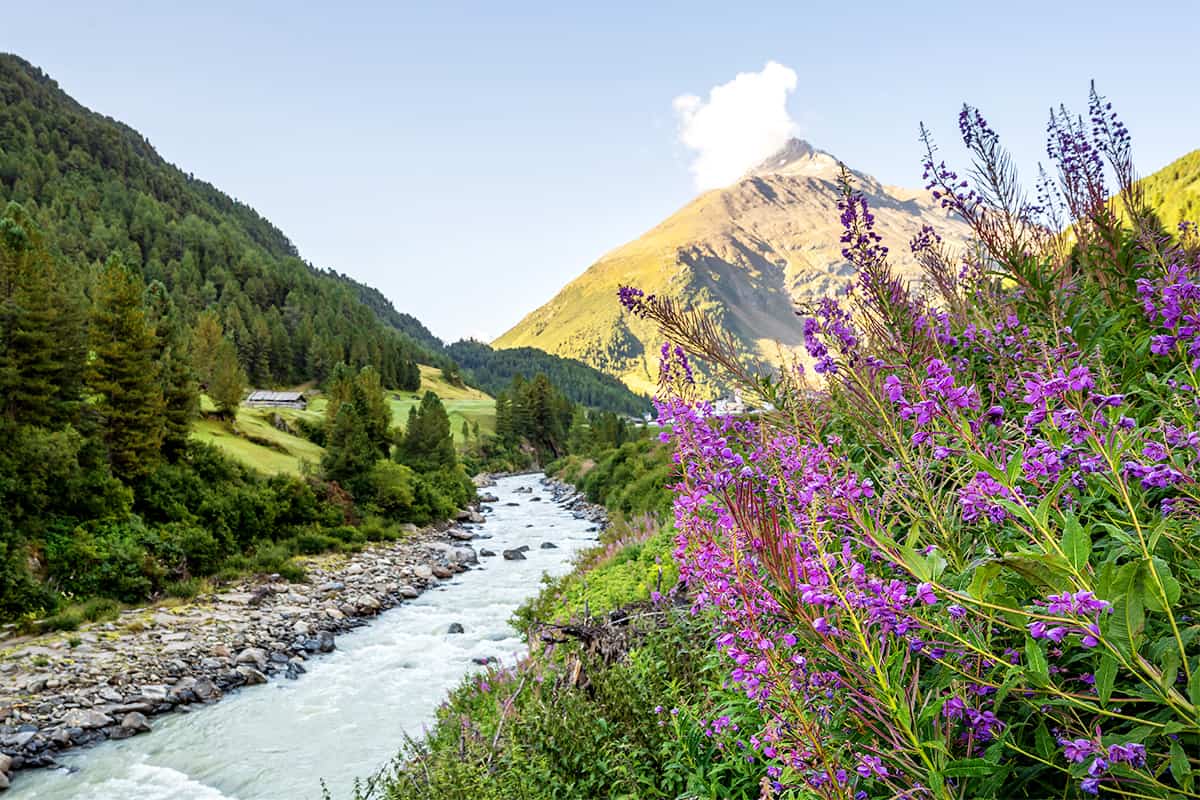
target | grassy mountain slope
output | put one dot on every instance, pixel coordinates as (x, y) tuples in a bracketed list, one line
[(1174, 191), (745, 254)]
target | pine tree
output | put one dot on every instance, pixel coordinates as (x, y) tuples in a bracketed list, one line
[(349, 452), (228, 382), (123, 375), (207, 337), (43, 342), (427, 444), (181, 395), (376, 411)]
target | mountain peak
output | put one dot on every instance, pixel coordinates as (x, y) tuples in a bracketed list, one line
[(797, 157)]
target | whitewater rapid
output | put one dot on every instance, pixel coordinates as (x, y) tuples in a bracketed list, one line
[(349, 715)]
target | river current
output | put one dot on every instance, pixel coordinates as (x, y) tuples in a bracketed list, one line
[(348, 716)]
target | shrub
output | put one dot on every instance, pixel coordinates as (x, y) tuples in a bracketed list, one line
[(105, 558)]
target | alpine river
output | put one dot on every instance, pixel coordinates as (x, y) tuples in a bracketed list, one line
[(348, 716)]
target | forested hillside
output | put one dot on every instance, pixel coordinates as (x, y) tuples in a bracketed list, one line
[(96, 188), (493, 371)]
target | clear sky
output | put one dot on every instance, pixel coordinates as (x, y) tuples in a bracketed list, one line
[(470, 159)]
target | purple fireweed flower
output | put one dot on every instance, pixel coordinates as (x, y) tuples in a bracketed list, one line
[(1131, 753), (869, 766)]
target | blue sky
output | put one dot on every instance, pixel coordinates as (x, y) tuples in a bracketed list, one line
[(470, 159)]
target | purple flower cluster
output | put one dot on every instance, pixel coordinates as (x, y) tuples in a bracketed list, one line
[(1173, 302)]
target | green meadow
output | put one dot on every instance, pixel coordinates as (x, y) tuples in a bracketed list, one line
[(255, 441)]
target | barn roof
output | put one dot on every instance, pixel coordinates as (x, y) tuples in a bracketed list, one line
[(262, 396)]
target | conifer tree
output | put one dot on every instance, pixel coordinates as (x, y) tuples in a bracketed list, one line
[(427, 444), (43, 327), (122, 374), (207, 337), (181, 395), (228, 382)]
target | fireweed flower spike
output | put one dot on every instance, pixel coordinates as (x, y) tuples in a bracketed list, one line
[(968, 547)]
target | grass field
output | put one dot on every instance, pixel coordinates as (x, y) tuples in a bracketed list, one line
[(286, 452), (263, 458)]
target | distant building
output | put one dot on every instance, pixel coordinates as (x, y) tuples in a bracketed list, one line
[(265, 399)]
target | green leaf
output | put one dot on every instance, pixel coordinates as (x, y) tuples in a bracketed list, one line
[(1194, 688), (1106, 676), (1127, 623), (968, 768), (1181, 768), (1041, 570), (1046, 746), (982, 578), (1036, 661), (1170, 586), (1076, 543)]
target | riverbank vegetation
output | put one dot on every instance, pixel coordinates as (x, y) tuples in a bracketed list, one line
[(103, 491), (957, 560), (621, 696), (967, 565)]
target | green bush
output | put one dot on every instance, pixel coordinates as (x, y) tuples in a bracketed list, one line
[(105, 558), (185, 589)]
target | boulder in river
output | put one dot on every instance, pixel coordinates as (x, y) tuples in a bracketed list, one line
[(251, 676), (549, 546), (135, 722), (253, 656), (514, 555), (485, 552), (455, 627)]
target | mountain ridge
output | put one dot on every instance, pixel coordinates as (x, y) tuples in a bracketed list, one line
[(745, 254)]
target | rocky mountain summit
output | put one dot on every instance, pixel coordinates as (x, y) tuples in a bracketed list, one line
[(747, 255)]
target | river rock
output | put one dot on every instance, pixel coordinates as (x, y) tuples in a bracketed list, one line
[(549, 546), (325, 643), (442, 572), (488, 497), (254, 657), (461, 535), (514, 555), (486, 553), (455, 627), (135, 722), (206, 691), (251, 676), (407, 592), (84, 718)]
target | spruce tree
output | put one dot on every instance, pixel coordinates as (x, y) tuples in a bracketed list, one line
[(42, 328), (228, 380), (427, 444), (181, 395), (122, 375), (206, 341)]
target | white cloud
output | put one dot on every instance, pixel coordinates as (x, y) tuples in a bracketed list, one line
[(740, 124)]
